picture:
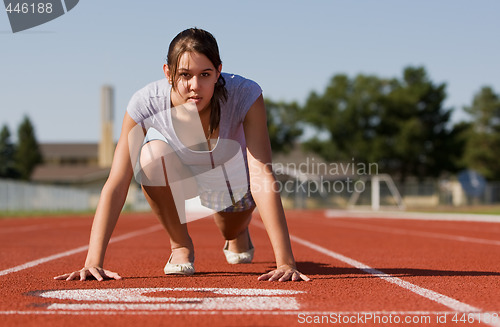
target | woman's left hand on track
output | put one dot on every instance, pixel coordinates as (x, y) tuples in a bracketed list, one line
[(93, 272), (284, 273)]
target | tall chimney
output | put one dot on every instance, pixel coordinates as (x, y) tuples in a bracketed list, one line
[(106, 144)]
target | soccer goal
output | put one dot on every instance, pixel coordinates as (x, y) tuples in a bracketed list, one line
[(379, 192)]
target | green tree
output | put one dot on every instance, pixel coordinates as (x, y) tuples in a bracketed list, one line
[(414, 124), (27, 154), (483, 137), (282, 125), (348, 113), (401, 124), (7, 150)]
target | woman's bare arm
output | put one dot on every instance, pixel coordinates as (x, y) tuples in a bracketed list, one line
[(266, 194), (110, 204)]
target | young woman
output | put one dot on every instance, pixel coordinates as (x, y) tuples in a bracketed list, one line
[(206, 136)]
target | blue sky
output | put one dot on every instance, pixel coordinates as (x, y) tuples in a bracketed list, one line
[(53, 73)]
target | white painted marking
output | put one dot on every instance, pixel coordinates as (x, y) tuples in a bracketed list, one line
[(77, 250), (123, 299), (137, 294), (42, 260), (426, 293), (431, 295), (412, 215), (226, 303), (402, 231)]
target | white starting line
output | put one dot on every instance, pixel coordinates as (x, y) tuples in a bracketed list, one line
[(201, 299)]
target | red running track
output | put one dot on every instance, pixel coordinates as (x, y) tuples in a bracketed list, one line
[(366, 272)]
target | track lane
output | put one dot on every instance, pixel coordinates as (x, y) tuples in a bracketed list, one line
[(337, 287), (465, 271)]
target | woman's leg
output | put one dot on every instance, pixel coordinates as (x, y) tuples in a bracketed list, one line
[(165, 183), (234, 228)]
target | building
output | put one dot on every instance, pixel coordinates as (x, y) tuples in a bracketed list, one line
[(82, 165)]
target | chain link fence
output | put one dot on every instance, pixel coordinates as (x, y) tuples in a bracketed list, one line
[(415, 194), (447, 192), (24, 196), (296, 193)]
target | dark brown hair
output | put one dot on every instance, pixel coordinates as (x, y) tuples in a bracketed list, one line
[(200, 41)]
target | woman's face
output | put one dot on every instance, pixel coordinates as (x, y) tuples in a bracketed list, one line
[(196, 80)]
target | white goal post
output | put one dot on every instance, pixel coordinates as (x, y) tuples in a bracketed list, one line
[(376, 181)]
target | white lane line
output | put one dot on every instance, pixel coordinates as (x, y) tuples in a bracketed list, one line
[(426, 293), (402, 231), (77, 250), (431, 295), (412, 215)]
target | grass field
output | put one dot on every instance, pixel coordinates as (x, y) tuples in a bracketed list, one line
[(475, 209)]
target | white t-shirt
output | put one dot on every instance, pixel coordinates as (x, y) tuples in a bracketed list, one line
[(226, 165)]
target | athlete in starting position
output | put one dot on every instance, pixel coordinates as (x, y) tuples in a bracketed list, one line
[(192, 120)]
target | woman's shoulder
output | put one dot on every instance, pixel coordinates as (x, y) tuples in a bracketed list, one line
[(242, 93), (237, 84), (236, 80), (149, 100)]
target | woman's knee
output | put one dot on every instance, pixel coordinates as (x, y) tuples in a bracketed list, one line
[(229, 233), (232, 224), (160, 166), (152, 152), (152, 163)]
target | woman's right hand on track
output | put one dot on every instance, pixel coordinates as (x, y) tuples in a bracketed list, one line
[(93, 272)]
